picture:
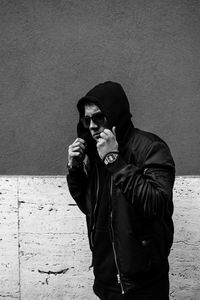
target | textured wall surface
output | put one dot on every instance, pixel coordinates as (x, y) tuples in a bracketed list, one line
[(44, 247), (53, 51)]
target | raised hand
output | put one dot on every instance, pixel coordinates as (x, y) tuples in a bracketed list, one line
[(76, 153), (107, 142)]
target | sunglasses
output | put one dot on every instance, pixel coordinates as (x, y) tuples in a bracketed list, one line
[(98, 118)]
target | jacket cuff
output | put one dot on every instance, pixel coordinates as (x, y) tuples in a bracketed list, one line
[(116, 166)]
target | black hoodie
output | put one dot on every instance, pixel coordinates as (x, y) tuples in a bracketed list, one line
[(111, 99), (129, 202)]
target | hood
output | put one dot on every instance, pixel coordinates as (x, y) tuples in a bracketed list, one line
[(112, 100)]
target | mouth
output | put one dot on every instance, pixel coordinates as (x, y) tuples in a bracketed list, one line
[(96, 135)]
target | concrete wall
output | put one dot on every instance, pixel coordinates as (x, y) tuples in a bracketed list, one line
[(53, 51), (44, 247)]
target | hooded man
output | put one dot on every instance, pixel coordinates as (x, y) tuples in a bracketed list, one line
[(122, 179)]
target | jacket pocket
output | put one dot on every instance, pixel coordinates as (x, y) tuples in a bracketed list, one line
[(151, 251)]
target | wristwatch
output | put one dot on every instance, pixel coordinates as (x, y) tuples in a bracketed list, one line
[(111, 158)]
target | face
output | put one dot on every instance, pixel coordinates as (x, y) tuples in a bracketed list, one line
[(94, 128)]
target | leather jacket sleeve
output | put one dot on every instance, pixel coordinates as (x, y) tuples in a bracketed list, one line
[(148, 187), (77, 183)]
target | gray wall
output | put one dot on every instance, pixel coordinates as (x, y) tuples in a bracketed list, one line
[(52, 52)]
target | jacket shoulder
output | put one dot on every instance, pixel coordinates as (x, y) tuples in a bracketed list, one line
[(142, 141), (146, 137), (150, 149)]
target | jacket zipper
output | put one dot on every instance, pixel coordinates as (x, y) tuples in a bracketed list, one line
[(95, 208), (113, 244)]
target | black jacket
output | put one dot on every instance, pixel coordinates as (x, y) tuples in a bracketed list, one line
[(141, 183)]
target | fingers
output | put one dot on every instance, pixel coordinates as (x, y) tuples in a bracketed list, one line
[(107, 133), (78, 143), (104, 135), (80, 140), (77, 148), (100, 141), (114, 130), (76, 154)]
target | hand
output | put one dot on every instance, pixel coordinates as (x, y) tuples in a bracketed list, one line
[(107, 142), (76, 153)]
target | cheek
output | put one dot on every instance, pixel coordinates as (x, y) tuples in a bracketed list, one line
[(101, 128)]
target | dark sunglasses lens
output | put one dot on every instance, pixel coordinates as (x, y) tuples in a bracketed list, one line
[(98, 119)]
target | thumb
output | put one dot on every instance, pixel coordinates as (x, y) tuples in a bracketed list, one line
[(114, 130)]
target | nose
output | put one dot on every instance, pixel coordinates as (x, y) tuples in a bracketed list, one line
[(92, 125)]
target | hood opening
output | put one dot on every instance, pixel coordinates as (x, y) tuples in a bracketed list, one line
[(112, 101)]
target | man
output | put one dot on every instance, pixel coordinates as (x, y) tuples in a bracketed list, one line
[(122, 179)]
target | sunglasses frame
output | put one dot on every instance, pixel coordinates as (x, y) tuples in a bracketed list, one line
[(87, 120)]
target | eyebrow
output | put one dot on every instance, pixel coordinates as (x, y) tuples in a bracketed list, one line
[(96, 112)]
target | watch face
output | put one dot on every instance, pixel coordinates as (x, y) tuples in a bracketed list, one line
[(110, 158)]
